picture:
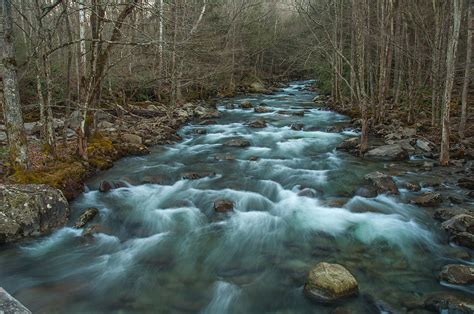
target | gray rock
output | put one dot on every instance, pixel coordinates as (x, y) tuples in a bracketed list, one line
[(388, 152), (349, 144), (10, 305), (132, 138), (32, 127), (458, 274), (443, 214), (30, 210), (75, 120), (382, 183), (3, 137), (423, 145), (328, 283)]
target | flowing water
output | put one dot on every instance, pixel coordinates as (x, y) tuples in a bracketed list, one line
[(163, 249)]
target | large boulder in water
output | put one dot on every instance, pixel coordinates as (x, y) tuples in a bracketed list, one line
[(449, 303), (223, 206), (258, 123), (458, 274), (388, 152), (330, 282), (30, 210), (382, 183)]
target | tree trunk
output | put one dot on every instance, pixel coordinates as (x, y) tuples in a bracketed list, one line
[(468, 72), (450, 73), (17, 140)]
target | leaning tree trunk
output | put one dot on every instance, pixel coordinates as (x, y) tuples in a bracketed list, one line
[(13, 117), (468, 72), (450, 72)]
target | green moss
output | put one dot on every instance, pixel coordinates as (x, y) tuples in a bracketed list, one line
[(67, 176)]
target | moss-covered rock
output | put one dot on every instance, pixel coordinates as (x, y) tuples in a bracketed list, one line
[(30, 210), (328, 283)]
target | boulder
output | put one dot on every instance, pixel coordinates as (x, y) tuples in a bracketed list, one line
[(457, 274), (382, 183), (237, 142), (86, 217), (223, 206), (258, 123), (367, 192), (443, 214), (261, 109), (30, 210), (428, 199), (257, 87), (423, 145), (230, 106), (330, 282), (349, 144), (461, 229), (393, 152), (10, 305), (132, 138), (32, 127), (246, 105)]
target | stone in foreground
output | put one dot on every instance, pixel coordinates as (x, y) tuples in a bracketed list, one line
[(86, 217), (10, 305), (28, 210), (329, 283), (458, 274)]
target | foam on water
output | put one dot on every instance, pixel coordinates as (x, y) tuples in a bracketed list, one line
[(225, 295)]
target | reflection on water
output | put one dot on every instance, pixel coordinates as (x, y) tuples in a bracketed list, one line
[(163, 249)]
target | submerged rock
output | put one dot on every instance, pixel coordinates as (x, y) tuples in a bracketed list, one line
[(86, 217), (308, 192), (223, 206), (449, 303), (382, 183), (30, 210), (237, 142), (428, 199), (330, 282), (393, 152), (458, 274)]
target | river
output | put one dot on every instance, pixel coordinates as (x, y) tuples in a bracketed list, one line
[(163, 249)]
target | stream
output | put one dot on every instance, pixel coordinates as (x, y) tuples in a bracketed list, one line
[(161, 248)]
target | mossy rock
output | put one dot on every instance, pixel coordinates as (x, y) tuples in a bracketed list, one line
[(328, 283)]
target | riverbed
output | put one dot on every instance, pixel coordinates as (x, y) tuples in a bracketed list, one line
[(162, 248)]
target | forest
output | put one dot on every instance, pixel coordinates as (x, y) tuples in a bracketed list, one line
[(236, 156)]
